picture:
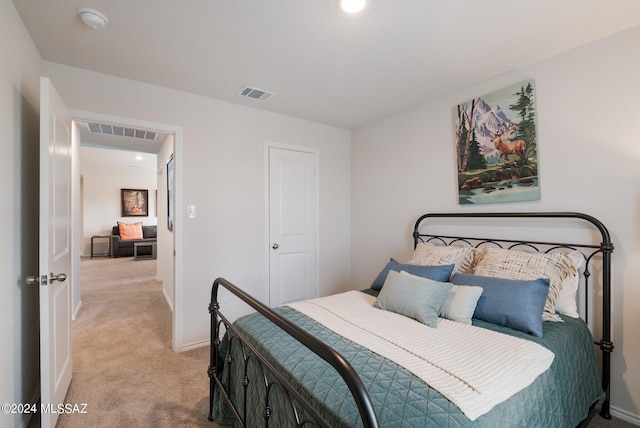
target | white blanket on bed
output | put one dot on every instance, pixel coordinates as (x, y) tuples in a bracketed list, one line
[(472, 367)]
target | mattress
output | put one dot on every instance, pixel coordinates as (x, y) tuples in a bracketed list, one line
[(559, 397)]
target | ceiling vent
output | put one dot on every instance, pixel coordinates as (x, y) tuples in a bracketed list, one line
[(103, 128), (255, 93)]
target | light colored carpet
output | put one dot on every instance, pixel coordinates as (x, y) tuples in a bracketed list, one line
[(123, 365), (598, 422)]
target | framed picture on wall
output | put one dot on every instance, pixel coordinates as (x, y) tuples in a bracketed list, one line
[(135, 202), (496, 143), (170, 194)]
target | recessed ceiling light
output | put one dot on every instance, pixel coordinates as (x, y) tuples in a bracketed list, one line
[(93, 18), (351, 6)]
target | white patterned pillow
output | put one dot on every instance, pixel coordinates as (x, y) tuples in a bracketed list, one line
[(436, 255), (510, 264), (567, 303)]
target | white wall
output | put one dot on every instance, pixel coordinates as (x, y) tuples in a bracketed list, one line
[(588, 124), (19, 136), (105, 172), (221, 165)]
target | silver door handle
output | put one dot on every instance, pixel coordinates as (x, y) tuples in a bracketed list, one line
[(61, 277), (32, 280), (275, 246)]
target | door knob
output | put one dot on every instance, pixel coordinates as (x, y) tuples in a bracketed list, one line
[(32, 280), (275, 246), (61, 277)]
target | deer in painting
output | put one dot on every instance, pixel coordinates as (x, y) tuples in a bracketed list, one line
[(507, 148)]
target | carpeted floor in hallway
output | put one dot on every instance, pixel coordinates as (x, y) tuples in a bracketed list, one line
[(123, 365)]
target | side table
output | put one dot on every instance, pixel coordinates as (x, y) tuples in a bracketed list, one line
[(107, 252)]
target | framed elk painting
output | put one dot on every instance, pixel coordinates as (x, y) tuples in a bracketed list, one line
[(496, 146)]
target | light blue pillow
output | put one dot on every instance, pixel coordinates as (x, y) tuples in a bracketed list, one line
[(413, 297), (513, 303), (436, 273)]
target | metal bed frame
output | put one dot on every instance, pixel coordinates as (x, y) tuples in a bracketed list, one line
[(605, 248), (342, 366), (337, 361)]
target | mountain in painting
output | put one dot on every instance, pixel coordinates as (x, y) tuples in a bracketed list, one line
[(488, 122)]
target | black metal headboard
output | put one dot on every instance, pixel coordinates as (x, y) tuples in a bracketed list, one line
[(421, 233)]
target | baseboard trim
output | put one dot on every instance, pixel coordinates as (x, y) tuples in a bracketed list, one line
[(166, 297), (194, 345), (74, 316), (625, 416)]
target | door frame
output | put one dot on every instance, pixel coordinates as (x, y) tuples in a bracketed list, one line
[(267, 221), (178, 306)]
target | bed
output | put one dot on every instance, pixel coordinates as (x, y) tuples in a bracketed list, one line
[(479, 331)]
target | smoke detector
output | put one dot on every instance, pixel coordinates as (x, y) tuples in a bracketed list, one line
[(93, 18)]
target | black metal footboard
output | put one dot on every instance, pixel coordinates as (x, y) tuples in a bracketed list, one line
[(297, 402), (421, 233)]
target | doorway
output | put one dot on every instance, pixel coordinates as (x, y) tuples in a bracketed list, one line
[(168, 240)]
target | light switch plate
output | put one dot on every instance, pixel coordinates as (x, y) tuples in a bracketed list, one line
[(191, 211)]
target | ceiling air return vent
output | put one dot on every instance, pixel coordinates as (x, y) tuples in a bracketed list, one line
[(103, 128), (255, 93)]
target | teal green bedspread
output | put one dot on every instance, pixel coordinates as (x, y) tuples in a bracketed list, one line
[(560, 397)]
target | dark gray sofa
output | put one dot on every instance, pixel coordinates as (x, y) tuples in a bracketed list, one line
[(124, 248)]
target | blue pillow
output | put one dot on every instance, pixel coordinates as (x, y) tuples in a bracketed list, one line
[(436, 273), (513, 303), (414, 297)]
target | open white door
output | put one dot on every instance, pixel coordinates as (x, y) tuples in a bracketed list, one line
[(292, 225), (55, 251)]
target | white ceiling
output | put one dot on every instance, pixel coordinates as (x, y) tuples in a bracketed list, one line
[(323, 65), (92, 156)]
